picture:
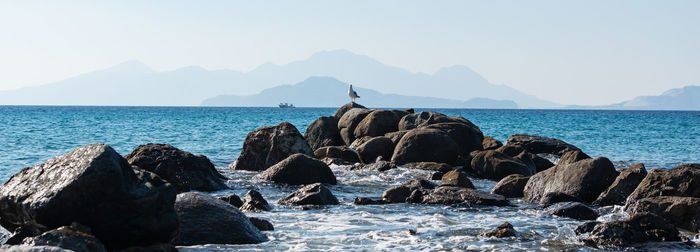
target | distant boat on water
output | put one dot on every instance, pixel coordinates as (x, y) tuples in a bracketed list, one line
[(285, 105)]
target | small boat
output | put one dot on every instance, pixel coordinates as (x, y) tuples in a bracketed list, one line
[(285, 105)]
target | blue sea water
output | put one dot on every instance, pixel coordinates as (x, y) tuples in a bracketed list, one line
[(30, 135)]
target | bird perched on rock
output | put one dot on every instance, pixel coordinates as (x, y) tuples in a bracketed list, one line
[(352, 94)]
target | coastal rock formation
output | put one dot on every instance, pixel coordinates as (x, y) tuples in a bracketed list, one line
[(232, 199), (349, 121), (345, 108), (502, 231), (323, 132), (495, 165), (572, 157), (454, 195), (490, 143), (269, 145), (208, 220), (467, 136), (552, 198), (456, 178), (396, 136), (376, 147), (511, 186), (95, 186), (182, 169), (253, 201), (584, 180), (574, 210), (75, 237), (639, 228), (261, 224), (586, 227), (428, 166), (682, 180), (425, 118), (401, 193), (538, 144), (623, 186), (379, 122), (299, 169), (683, 212), (337, 152), (378, 165), (421, 145), (313, 194)]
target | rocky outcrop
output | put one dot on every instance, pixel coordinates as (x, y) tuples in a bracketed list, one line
[(299, 169), (574, 210), (417, 120), (425, 145), (623, 186), (460, 196), (95, 186), (378, 165), (584, 180), (396, 136), (683, 180), (638, 229), (683, 212), (429, 166), (572, 157), (586, 227), (495, 165), (502, 231), (490, 143), (379, 122), (75, 237), (269, 145), (208, 220), (182, 169), (538, 144), (313, 194), (345, 108), (337, 152), (401, 193), (552, 198), (349, 121), (511, 186), (375, 147), (261, 224), (467, 136), (253, 201), (323, 132), (232, 199), (456, 178)]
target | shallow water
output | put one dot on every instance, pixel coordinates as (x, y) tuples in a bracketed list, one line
[(660, 139)]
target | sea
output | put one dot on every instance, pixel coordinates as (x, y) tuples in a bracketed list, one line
[(29, 135)]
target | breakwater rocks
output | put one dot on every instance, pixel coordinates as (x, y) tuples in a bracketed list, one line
[(94, 199)]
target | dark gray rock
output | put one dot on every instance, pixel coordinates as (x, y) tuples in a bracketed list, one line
[(683, 212), (490, 143), (573, 156), (453, 195), (552, 198), (359, 141), (232, 199), (378, 165), (683, 180), (467, 136), (261, 224), (313, 194), (402, 192), (425, 118), (253, 201), (425, 145), (638, 229), (375, 147), (429, 166), (369, 201), (584, 180), (574, 210), (182, 169), (586, 227), (396, 136), (495, 165), (75, 237), (345, 108), (510, 150), (502, 231), (541, 163), (349, 121), (208, 220), (511, 186), (95, 186), (538, 144), (436, 176), (623, 186), (299, 169), (456, 178), (323, 132), (337, 152), (269, 145), (158, 247), (379, 122)]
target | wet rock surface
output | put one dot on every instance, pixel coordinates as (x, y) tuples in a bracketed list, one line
[(538, 144), (253, 201), (502, 231), (232, 199), (683, 212), (75, 237), (584, 180), (269, 145), (574, 210), (299, 169), (338, 152), (511, 186), (495, 165), (456, 178), (323, 132), (261, 224), (638, 229), (313, 194), (623, 186)]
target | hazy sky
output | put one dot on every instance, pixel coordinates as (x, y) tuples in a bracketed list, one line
[(571, 52)]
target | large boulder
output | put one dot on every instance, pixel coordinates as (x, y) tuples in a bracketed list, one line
[(313, 194), (299, 169), (95, 186), (495, 165), (490, 143), (401, 193), (232, 199), (425, 118), (684, 212), (253, 201), (538, 144), (349, 121), (337, 152), (208, 220), (396, 136), (460, 196), (345, 108), (182, 169), (636, 230), (323, 132), (268, 145), (75, 237), (584, 180), (425, 145), (623, 186), (429, 166), (511, 186), (375, 147), (683, 180), (467, 136), (574, 210), (456, 178), (379, 122), (572, 157)]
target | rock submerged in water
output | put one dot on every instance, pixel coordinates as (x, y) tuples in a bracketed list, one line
[(623, 186), (401, 193), (75, 237), (323, 132), (636, 230), (182, 169), (253, 201), (574, 210), (584, 180), (95, 186), (208, 220), (453, 195), (232, 199), (337, 152), (261, 224), (502, 231), (299, 169), (683, 212), (269, 145), (313, 194), (511, 186)]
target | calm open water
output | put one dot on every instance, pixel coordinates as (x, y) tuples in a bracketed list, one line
[(30, 135)]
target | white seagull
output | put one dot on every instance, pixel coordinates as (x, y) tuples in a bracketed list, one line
[(352, 94)]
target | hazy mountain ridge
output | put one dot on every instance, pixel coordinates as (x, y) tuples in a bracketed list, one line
[(685, 98), (329, 92)]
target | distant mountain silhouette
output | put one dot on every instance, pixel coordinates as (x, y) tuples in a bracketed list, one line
[(133, 83), (685, 98), (329, 92)]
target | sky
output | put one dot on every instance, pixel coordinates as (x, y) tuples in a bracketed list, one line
[(570, 52)]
